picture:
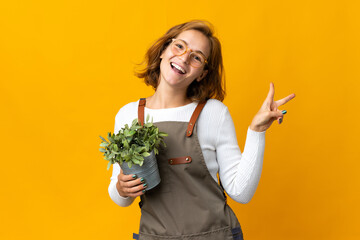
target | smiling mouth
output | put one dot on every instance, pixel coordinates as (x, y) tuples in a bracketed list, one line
[(177, 68)]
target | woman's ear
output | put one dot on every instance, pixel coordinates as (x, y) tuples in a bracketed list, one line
[(203, 74), (162, 54)]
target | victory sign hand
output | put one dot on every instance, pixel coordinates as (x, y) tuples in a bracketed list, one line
[(269, 111)]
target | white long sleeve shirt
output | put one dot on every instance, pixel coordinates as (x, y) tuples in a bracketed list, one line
[(239, 172)]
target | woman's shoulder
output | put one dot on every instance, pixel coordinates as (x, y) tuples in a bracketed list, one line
[(215, 105), (213, 112), (127, 113), (210, 121), (215, 102), (129, 106)]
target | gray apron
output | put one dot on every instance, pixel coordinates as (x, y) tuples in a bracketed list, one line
[(188, 203)]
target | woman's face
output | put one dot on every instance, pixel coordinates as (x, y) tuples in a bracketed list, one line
[(171, 63)]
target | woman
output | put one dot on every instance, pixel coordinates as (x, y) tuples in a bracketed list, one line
[(185, 68)]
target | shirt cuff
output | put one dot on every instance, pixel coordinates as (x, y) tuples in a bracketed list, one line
[(255, 141), (249, 130)]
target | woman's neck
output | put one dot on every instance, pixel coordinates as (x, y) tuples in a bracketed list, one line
[(167, 99)]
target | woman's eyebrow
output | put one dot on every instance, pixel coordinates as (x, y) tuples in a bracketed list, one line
[(193, 50)]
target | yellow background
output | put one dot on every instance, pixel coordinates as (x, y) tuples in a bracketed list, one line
[(66, 68)]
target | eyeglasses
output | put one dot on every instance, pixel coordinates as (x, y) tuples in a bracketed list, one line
[(179, 47)]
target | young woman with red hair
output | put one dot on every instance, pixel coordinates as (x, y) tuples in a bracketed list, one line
[(186, 71)]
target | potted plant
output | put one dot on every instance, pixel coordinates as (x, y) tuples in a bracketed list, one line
[(134, 149)]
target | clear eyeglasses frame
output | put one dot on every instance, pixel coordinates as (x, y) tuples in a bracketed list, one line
[(179, 48)]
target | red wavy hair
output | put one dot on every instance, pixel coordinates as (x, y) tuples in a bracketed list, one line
[(212, 85)]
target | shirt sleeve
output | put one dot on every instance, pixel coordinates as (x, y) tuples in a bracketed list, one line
[(113, 192), (239, 172)]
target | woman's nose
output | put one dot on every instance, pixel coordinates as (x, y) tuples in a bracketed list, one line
[(185, 57)]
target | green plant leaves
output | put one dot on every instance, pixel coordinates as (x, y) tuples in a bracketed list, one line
[(125, 143), (108, 166), (145, 154), (132, 143), (134, 122), (115, 147), (102, 138)]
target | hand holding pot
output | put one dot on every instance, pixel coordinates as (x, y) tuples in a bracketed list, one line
[(130, 185)]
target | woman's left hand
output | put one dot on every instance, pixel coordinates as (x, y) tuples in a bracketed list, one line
[(269, 111)]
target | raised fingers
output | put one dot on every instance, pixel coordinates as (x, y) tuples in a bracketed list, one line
[(269, 100), (285, 100), (271, 93)]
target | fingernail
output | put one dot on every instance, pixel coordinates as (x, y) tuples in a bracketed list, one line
[(134, 176), (284, 111), (142, 180), (280, 120), (145, 185), (144, 191)]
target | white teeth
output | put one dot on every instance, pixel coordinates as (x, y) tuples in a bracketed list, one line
[(178, 67)]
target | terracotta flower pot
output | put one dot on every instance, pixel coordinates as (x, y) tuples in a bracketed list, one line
[(149, 171)]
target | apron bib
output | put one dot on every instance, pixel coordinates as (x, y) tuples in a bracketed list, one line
[(188, 203)]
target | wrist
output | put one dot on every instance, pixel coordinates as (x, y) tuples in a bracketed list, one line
[(256, 128)]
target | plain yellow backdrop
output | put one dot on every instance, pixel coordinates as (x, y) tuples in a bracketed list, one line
[(66, 68)]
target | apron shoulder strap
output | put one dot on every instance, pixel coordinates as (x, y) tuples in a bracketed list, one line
[(141, 108), (194, 117)]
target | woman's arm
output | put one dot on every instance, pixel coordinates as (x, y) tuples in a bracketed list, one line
[(239, 172)]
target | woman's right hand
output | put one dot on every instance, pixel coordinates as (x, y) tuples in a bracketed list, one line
[(130, 185)]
